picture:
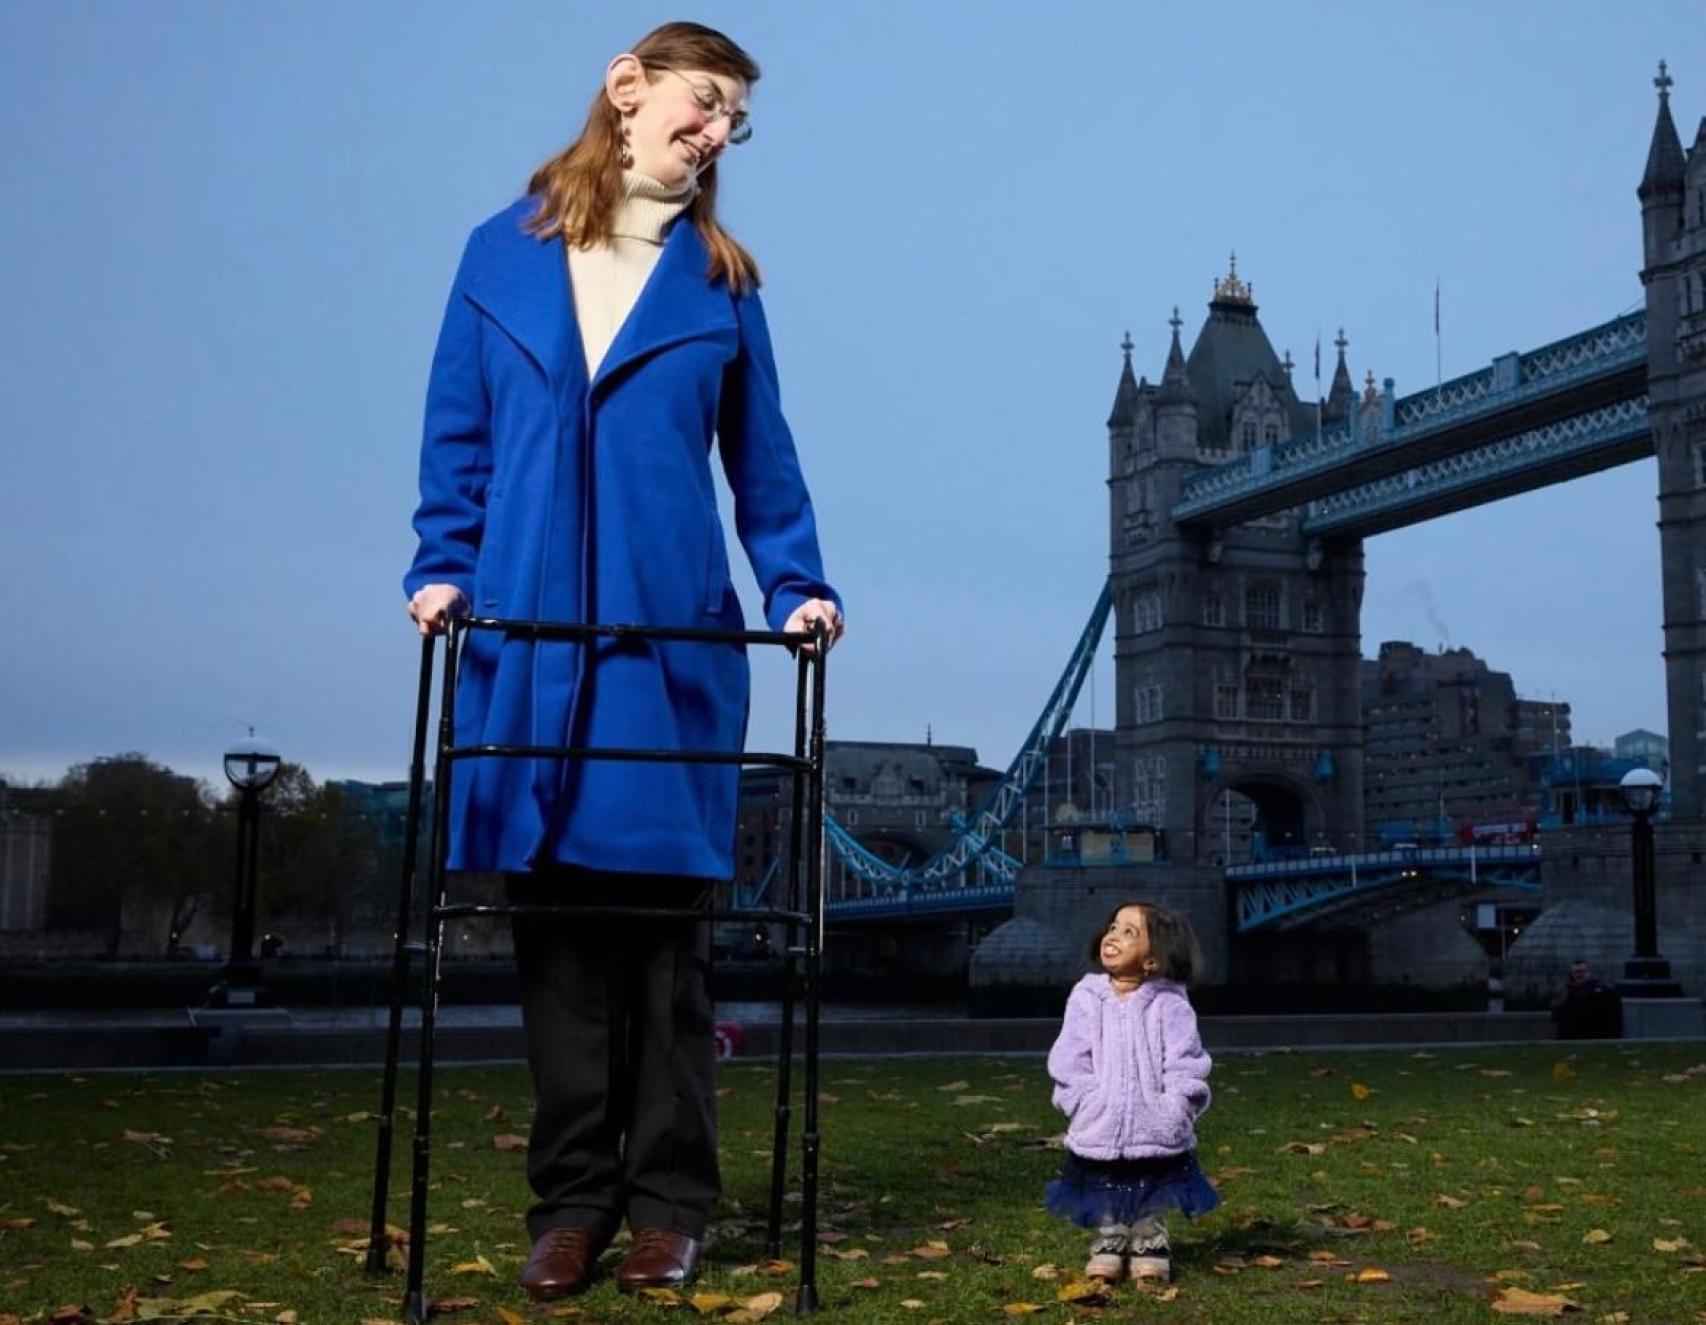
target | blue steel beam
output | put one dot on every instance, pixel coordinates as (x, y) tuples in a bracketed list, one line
[(1283, 893), (1518, 392), (1610, 435)]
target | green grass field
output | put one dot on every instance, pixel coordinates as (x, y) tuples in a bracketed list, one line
[(1365, 1186)]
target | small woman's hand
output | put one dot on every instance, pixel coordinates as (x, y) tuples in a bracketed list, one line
[(806, 617), (433, 606)]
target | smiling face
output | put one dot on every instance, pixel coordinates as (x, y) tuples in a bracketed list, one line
[(1125, 950), (678, 121)]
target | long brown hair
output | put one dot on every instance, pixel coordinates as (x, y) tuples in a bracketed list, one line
[(580, 189)]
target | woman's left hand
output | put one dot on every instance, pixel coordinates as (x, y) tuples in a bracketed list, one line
[(808, 614)]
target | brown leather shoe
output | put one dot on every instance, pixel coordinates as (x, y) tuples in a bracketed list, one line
[(659, 1258), (561, 1264)]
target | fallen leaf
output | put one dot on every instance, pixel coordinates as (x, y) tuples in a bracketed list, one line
[(509, 1141), (442, 1305), (1371, 1274), (1045, 1271), (1022, 1308), (912, 1303), (1360, 1091), (1520, 1302), (1562, 1072), (933, 1250), (706, 1304), (479, 1265), (1595, 1237), (1669, 1244), (867, 1283), (1088, 1291), (290, 1135), (1449, 1202), (664, 1297)]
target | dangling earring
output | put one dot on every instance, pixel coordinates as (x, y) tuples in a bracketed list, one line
[(627, 150)]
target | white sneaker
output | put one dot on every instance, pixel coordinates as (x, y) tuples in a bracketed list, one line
[(1157, 1269), (1107, 1256)]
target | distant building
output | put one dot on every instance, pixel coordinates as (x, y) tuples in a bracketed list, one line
[(26, 853), (1448, 745), (898, 799), (1644, 747)]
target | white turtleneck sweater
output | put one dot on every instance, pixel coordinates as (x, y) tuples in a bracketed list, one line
[(607, 278)]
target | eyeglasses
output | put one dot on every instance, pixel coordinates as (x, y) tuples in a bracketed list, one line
[(713, 108)]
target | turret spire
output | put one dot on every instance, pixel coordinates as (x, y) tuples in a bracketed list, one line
[(1663, 178)]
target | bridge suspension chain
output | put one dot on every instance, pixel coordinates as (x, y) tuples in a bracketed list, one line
[(975, 841)]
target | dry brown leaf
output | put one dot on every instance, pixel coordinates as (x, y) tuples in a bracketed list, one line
[(1372, 1274), (509, 1141), (1088, 1291), (664, 1297), (507, 1316), (194, 1265), (1022, 1308), (706, 1304), (934, 1250), (275, 1184), (1596, 1237), (479, 1265), (1521, 1302), (1045, 1271), (1303, 1148), (1360, 1091), (867, 1283), (1562, 1072), (288, 1317), (443, 1305), (1669, 1244), (294, 1136), (912, 1303), (1449, 1202), (1268, 1262)]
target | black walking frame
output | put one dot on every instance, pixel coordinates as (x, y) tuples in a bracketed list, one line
[(801, 913)]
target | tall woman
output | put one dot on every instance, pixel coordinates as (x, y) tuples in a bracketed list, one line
[(602, 333)]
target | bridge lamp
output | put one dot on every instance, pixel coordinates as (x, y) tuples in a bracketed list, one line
[(251, 764), (1646, 974)]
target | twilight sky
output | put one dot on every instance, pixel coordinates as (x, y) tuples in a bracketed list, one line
[(229, 230)]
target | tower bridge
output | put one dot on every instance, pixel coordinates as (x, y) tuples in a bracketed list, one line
[(1237, 515)]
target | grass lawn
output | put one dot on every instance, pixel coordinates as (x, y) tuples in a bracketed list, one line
[(1366, 1186)]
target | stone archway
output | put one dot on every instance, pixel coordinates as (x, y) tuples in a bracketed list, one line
[(1257, 816)]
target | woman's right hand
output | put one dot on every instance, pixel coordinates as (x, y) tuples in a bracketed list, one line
[(434, 604)]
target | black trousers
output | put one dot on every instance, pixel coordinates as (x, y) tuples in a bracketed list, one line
[(618, 1020)]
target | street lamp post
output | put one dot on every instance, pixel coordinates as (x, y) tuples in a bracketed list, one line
[(1646, 974), (251, 764)]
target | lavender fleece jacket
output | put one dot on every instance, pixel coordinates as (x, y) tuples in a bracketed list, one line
[(1129, 1073)]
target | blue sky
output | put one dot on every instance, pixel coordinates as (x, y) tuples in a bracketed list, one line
[(229, 230)]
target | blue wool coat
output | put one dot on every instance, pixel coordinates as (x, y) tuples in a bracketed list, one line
[(546, 496)]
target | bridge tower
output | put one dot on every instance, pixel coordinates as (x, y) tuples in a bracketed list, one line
[(1673, 222), (1237, 650)]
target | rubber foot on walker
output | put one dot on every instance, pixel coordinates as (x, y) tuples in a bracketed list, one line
[(805, 1301)]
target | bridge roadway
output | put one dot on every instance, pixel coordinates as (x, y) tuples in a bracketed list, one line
[(1271, 896)]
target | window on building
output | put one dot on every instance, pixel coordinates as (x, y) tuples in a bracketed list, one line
[(1700, 464), (1146, 612), (1262, 606), (1312, 616), (1302, 704), (1270, 433), (1149, 703), (1226, 701), (1247, 434), (1264, 698), (1213, 609)]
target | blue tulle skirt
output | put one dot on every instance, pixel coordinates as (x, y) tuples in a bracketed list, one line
[(1095, 1192)]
